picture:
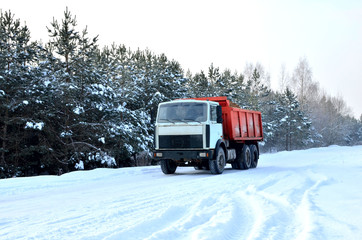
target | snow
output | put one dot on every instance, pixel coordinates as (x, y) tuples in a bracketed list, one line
[(78, 110), (80, 165), (311, 194), (108, 160), (38, 126), (102, 140), (64, 134)]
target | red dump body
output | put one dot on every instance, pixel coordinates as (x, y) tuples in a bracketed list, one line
[(239, 125)]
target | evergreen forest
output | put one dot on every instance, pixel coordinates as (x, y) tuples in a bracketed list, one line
[(69, 101)]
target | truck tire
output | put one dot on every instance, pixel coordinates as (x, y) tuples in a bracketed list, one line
[(217, 165), (168, 166), (254, 156), (245, 158)]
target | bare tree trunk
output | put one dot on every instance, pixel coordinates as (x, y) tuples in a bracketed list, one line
[(135, 160)]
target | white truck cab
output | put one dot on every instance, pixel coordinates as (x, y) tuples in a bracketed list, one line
[(187, 132)]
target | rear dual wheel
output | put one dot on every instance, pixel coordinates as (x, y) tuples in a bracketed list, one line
[(247, 157), (254, 156), (245, 162)]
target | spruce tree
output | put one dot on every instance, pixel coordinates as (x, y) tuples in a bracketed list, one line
[(198, 86), (18, 85), (79, 94), (294, 125)]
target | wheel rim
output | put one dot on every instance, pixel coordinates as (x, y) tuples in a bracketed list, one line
[(220, 160), (248, 158), (255, 159)]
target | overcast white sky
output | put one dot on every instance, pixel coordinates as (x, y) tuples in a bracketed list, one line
[(226, 33)]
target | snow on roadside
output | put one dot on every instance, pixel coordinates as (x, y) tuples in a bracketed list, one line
[(311, 194)]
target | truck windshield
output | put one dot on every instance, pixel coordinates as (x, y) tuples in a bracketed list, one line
[(182, 112)]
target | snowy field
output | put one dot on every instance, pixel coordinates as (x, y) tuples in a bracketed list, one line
[(312, 194)]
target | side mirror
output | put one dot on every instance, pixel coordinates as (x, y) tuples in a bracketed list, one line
[(219, 114)]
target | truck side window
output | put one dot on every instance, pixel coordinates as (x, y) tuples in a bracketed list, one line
[(213, 115)]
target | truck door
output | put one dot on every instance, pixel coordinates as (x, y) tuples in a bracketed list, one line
[(215, 128)]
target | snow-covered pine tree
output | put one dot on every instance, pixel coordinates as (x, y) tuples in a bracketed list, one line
[(18, 75), (124, 129), (147, 80), (214, 83), (198, 85), (359, 132), (256, 92), (232, 85), (294, 126), (352, 131), (271, 114), (80, 96), (215, 86)]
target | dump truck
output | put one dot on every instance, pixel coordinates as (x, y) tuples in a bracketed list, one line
[(206, 133)]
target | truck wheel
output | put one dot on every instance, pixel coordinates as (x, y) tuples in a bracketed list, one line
[(217, 166), (254, 156), (168, 166), (245, 158)]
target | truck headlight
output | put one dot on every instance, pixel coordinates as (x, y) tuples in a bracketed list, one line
[(158, 154), (203, 154)]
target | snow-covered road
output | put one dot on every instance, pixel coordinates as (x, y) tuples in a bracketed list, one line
[(312, 194)]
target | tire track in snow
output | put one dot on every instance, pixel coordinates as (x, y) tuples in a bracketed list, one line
[(245, 214), (219, 215), (309, 215), (275, 215), (148, 206), (288, 215), (225, 214)]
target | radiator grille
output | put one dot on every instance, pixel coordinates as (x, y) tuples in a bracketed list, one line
[(180, 141)]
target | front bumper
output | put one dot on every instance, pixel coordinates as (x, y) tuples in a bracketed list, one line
[(183, 155)]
